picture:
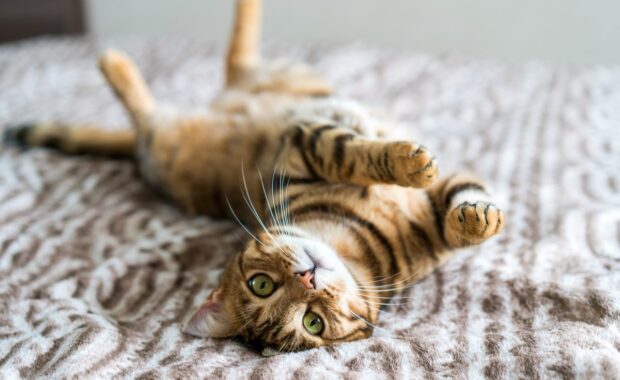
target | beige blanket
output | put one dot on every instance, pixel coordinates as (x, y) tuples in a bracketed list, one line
[(97, 274)]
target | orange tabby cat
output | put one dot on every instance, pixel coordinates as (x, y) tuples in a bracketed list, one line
[(341, 215)]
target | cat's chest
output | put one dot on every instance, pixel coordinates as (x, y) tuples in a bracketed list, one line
[(377, 202)]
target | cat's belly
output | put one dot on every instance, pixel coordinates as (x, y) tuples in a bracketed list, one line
[(201, 166)]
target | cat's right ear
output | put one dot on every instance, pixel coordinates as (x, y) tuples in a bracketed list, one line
[(211, 319)]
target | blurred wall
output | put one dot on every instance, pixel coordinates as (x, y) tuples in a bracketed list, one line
[(570, 31)]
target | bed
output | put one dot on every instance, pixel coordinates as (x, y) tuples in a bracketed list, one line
[(97, 274)]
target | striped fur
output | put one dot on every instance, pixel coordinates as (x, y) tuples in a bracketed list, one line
[(97, 275), (318, 180)]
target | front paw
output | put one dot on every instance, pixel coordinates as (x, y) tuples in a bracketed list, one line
[(413, 165), (473, 223)]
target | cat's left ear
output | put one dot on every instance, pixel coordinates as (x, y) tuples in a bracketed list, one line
[(211, 319)]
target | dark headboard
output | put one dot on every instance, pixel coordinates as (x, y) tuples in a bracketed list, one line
[(27, 18)]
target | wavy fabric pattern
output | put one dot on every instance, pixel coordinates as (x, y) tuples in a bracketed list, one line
[(97, 274)]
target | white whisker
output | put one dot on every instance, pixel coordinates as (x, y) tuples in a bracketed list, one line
[(359, 317), (283, 218), (387, 287), (390, 290), (285, 202), (248, 201), (274, 221), (282, 195), (240, 223), (382, 279), (379, 297)]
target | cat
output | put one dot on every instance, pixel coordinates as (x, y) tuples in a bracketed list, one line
[(341, 213)]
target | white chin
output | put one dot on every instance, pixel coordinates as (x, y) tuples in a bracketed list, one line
[(310, 253), (324, 278)]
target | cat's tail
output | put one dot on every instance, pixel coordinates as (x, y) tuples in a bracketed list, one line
[(129, 86), (73, 139), (244, 46)]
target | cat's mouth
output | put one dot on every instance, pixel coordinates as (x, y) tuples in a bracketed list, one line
[(316, 268), (318, 261)]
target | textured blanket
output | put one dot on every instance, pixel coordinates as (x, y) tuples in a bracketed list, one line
[(97, 274)]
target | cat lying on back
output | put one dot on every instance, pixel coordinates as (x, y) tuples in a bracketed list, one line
[(341, 216)]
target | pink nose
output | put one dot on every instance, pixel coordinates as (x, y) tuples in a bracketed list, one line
[(306, 279)]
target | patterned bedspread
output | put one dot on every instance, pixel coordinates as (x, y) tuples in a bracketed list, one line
[(97, 274)]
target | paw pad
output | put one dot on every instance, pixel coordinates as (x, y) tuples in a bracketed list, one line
[(472, 223)]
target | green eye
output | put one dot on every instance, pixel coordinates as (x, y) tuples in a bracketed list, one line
[(262, 285), (313, 323)]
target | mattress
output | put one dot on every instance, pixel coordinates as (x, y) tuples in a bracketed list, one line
[(98, 274)]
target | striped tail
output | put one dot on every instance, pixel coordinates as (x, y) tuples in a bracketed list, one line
[(76, 139), (126, 81)]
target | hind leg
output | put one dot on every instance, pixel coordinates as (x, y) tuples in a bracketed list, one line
[(126, 81), (243, 51)]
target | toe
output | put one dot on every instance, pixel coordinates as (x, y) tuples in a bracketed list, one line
[(469, 213), (500, 221), (415, 165)]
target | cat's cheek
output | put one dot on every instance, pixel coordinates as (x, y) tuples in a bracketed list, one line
[(356, 306)]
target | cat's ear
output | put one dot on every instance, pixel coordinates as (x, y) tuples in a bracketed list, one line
[(211, 319)]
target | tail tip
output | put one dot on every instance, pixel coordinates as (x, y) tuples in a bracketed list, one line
[(18, 135)]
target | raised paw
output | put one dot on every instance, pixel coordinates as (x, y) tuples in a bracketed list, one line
[(413, 165), (472, 223)]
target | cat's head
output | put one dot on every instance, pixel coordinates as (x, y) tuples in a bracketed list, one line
[(288, 292)]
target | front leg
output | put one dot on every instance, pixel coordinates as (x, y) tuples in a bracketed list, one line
[(339, 155), (464, 211)]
